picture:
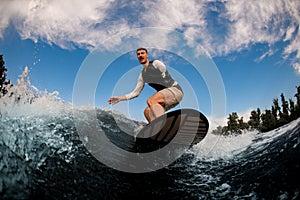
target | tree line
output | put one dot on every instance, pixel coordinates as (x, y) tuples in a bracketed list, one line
[(3, 82), (281, 113)]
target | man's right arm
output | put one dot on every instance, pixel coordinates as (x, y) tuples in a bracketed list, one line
[(138, 88)]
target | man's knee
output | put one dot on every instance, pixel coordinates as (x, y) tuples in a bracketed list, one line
[(147, 114), (151, 101), (146, 111), (153, 112), (155, 99)]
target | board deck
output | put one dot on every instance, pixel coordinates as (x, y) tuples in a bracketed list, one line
[(183, 127)]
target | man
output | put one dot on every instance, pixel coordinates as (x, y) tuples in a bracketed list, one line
[(155, 74)]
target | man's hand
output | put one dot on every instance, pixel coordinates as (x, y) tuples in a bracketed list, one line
[(114, 100)]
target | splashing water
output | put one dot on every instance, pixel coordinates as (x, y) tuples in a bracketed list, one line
[(24, 99), (43, 157), (36, 127), (32, 129)]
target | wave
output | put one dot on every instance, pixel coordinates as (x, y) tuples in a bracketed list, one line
[(42, 156), (35, 127), (246, 166)]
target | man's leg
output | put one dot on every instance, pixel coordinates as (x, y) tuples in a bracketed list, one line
[(155, 107), (147, 115)]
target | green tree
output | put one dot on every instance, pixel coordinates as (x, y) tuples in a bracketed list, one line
[(284, 116), (268, 121), (254, 121), (297, 107), (232, 123), (276, 112), (242, 125), (3, 81), (292, 109)]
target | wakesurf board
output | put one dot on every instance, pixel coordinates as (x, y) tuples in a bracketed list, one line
[(183, 127)]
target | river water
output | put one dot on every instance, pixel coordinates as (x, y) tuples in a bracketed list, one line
[(42, 156)]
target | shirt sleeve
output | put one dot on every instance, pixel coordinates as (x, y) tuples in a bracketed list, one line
[(138, 88), (161, 66)]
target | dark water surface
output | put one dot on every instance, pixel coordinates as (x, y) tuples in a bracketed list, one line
[(42, 157)]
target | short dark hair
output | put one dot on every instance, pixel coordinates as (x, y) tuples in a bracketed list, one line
[(142, 48)]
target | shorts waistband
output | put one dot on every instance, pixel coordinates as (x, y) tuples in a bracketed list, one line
[(176, 85)]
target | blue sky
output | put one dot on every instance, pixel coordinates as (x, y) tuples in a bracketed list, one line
[(251, 49)]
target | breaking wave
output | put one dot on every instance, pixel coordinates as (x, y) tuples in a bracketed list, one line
[(43, 157)]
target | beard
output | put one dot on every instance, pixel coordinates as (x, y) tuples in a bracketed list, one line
[(143, 61)]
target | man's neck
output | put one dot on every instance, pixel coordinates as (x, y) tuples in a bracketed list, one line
[(146, 64)]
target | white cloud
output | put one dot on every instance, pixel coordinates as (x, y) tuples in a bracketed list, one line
[(173, 14), (68, 22), (221, 27), (294, 48), (10, 11), (263, 22), (289, 33), (64, 23), (253, 22), (269, 53), (297, 67)]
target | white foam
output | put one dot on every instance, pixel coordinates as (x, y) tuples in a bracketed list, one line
[(215, 147), (24, 99)]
